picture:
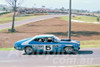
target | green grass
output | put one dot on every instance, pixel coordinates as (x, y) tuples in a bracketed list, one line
[(81, 18), (86, 66), (6, 49), (17, 18), (8, 18), (2, 30), (90, 44)]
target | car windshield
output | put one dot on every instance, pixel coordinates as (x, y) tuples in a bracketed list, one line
[(57, 38)]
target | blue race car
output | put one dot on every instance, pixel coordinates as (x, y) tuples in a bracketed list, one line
[(47, 43)]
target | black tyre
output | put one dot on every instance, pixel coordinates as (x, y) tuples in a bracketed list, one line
[(68, 50), (28, 50), (76, 52)]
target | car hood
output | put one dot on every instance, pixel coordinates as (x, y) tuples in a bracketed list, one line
[(24, 40), (66, 41)]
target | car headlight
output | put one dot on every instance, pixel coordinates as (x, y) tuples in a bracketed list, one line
[(17, 48)]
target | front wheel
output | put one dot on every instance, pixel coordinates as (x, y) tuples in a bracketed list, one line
[(68, 50), (28, 50)]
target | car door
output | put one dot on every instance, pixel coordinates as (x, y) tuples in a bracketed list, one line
[(47, 46), (51, 46)]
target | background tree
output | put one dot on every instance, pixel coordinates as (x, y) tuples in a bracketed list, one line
[(98, 19), (4, 9), (14, 4), (43, 6), (63, 9)]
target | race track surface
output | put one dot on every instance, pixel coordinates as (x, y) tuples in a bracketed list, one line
[(17, 23), (88, 56)]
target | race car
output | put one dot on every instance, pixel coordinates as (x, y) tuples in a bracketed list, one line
[(47, 43)]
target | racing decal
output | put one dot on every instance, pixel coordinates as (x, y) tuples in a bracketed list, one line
[(26, 42), (47, 47), (55, 45), (38, 46), (68, 44)]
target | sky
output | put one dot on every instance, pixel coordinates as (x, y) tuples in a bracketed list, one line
[(91, 5)]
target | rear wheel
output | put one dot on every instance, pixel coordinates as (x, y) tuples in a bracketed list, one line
[(68, 50), (28, 50)]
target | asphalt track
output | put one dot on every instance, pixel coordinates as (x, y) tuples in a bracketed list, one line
[(17, 23), (89, 56)]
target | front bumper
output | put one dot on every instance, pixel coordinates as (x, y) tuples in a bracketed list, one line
[(18, 48), (79, 48)]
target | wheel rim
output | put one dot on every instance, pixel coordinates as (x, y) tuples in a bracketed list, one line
[(68, 49), (29, 50)]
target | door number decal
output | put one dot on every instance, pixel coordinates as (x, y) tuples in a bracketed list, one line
[(47, 47)]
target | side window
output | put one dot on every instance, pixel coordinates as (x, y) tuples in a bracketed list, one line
[(36, 39), (49, 40), (45, 40), (39, 40)]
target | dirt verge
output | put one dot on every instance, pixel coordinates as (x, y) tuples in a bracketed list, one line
[(80, 31)]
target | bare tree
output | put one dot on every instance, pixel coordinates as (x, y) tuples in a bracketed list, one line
[(14, 4), (5, 9)]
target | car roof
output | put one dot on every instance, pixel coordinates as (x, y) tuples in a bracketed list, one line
[(40, 36)]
